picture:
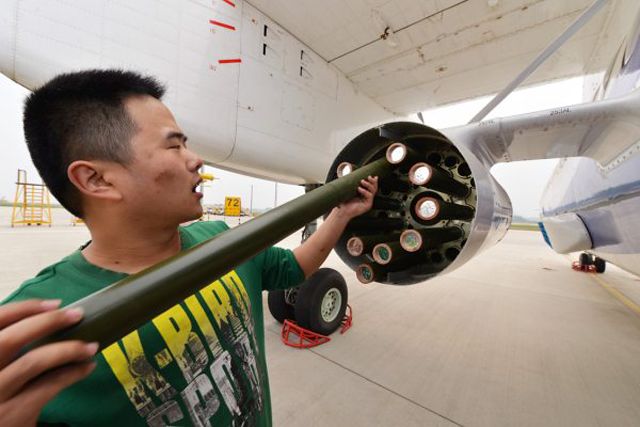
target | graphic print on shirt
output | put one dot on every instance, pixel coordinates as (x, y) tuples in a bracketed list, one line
[(210, 339)]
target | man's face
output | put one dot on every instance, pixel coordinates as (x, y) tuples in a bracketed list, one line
[(159, 183)]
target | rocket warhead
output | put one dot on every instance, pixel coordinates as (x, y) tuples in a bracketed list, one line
[(367, 273), (435, 178), (384, 253), (415, 239), (359, 245), (344, 168), (429, 209), (398, 153)]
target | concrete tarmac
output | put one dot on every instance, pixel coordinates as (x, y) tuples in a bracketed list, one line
[(514, 337)]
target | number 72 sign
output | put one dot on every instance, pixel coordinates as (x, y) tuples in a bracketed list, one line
[(232, 206)]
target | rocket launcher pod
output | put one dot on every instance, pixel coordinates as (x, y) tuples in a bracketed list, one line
[(454, 185)]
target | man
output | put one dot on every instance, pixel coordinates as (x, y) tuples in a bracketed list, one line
[(111, 152)]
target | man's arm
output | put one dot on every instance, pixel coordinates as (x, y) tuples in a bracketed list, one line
[(312, 253), (28, 382)]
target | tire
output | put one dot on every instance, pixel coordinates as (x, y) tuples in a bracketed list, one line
[(278, 306), (585, 259), (322, 301), (600, 264)]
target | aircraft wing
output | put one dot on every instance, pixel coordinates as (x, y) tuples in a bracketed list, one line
[(275, 89), (444, 51)]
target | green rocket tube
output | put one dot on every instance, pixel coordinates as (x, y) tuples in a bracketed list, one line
[(114, 311)]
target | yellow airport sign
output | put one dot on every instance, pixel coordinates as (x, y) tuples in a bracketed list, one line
[(232, 206)]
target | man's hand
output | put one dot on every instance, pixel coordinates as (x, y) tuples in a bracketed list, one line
[(362, 203), (312, 253), (28, 382)]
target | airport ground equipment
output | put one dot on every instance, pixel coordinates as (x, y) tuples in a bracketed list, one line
[(296, 336), (207, 177), (586, 268), (76, 221), (481, 214), (589, 263), (32, 204)]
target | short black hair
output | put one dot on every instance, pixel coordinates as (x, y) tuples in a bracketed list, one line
[(81, 116)]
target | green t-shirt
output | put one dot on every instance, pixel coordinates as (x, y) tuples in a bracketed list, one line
[(199, 363)]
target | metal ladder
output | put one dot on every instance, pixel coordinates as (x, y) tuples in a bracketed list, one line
[(32, 204)]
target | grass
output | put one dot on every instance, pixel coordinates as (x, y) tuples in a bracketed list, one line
[(524, 227)]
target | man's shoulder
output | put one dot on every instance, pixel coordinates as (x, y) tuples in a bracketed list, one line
[(43, 285), (202, 230)]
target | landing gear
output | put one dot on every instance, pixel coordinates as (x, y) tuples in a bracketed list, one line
[(309, 229), (280, 309), (589, 263), (600, 265), (585, 259), (320, 303)]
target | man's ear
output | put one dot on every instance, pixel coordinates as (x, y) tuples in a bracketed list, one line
[(89, 178)]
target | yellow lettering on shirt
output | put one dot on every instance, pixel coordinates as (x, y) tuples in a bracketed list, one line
[(197, 311), (236, 287), (175, 328), (217, 299), (140, 367), (120, 366), (133, 371)]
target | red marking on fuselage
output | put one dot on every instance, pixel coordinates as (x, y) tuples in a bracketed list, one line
[(222, 24), (229, 2), (229, 61)]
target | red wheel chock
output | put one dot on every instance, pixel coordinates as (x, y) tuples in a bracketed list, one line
[(347, 320), (584, 268), (296, 336)]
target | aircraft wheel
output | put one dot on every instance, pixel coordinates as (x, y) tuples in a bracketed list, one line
[(322, 301), (279, 307), (585, 259), (600, 265)]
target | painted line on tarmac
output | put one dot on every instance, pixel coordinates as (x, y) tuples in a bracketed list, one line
[(617, 294), (613, 291), (386, 388), (369, 380)]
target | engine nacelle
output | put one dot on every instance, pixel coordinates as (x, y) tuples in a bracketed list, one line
[(439, 207)]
